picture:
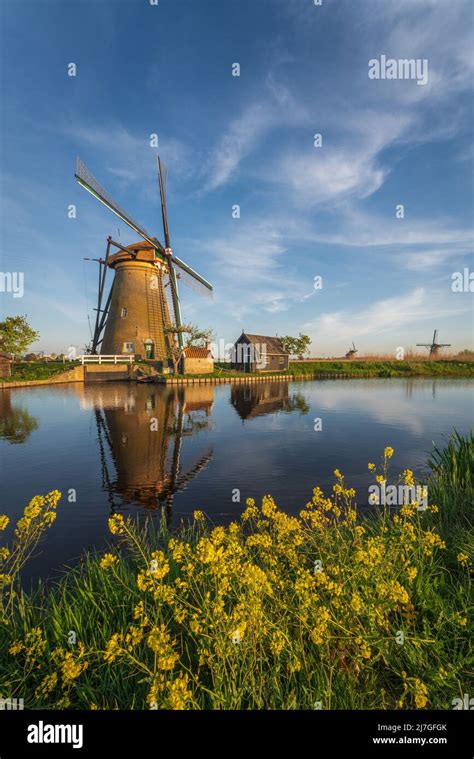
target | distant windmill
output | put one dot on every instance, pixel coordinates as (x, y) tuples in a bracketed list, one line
[(137, 317), (434, 346), (352, 351)]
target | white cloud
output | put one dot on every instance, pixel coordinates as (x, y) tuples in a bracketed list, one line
[(240, 138), (382, 316)]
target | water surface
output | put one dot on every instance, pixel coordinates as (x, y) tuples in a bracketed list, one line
[(138, 448)]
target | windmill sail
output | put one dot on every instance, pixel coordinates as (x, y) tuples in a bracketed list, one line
[(90, 183), (191, 278)]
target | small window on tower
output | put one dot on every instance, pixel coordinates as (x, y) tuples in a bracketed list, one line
[(128, 348), (124, 312)]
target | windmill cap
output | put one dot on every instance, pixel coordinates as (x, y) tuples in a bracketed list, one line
[(139, 251)]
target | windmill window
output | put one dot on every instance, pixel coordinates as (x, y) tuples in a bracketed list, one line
[(124, 312), (128, 348), (281, 360)]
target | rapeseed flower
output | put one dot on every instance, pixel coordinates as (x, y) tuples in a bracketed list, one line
[(108, 560)]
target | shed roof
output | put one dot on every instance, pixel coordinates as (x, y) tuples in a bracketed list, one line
[(273, 344), (195, 351)]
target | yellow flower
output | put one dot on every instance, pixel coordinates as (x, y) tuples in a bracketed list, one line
[(236, 636), (4, 520), (113, 648), (47, 684), (159, 640), (277, 643), (356, 603), (463, 559), (294, 664), (16, 648), (199, 516), (421, 694), (179, 694), (117, 524), (108, 560), (133, 637), (71, 668), (159, 566), (388, 452), (371, 467)]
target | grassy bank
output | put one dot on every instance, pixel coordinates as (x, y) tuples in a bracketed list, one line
[(384, 368), (323, 610), (37, 371)]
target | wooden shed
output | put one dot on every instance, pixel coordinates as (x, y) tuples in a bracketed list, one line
[(259, 353)]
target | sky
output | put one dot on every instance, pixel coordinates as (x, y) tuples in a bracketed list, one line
[(321, 244)]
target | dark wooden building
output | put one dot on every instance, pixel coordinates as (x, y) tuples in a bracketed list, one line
[(259, 353), (252, 399)]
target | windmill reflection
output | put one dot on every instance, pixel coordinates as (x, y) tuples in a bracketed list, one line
[(261, 398), (140, 432)]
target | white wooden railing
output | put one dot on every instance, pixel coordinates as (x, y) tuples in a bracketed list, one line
[(89, 358)]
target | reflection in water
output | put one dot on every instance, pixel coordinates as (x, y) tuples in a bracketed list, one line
[(140, 435), (16, 424), (259, 399), (145, 448)]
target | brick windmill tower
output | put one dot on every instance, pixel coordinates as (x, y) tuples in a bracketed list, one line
[(143, 301)]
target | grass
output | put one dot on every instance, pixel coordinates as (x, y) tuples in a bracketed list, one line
[(454, 368), (229, 374), (452, 488), (27, 371), (323, 610), (366, 368)]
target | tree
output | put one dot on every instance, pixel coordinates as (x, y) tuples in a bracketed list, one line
[(16, 335), (296, 346), (193, 335)]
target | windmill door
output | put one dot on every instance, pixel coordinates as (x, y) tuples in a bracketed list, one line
[(149, 349)]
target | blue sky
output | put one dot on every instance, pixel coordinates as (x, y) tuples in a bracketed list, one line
[(248, 140)]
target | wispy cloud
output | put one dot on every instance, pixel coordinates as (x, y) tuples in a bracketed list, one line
[(240, 138), (382, 316)]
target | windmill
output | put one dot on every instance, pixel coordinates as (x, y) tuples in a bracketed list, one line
[(352, 351), (136, 317), (140, 464), (434, 346)]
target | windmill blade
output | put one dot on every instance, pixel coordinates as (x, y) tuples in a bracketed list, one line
[(185, 477), (189, 277), (87, 180), (435, 336), (162, 177)]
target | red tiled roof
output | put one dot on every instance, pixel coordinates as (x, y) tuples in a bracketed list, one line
[(194, 351)]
